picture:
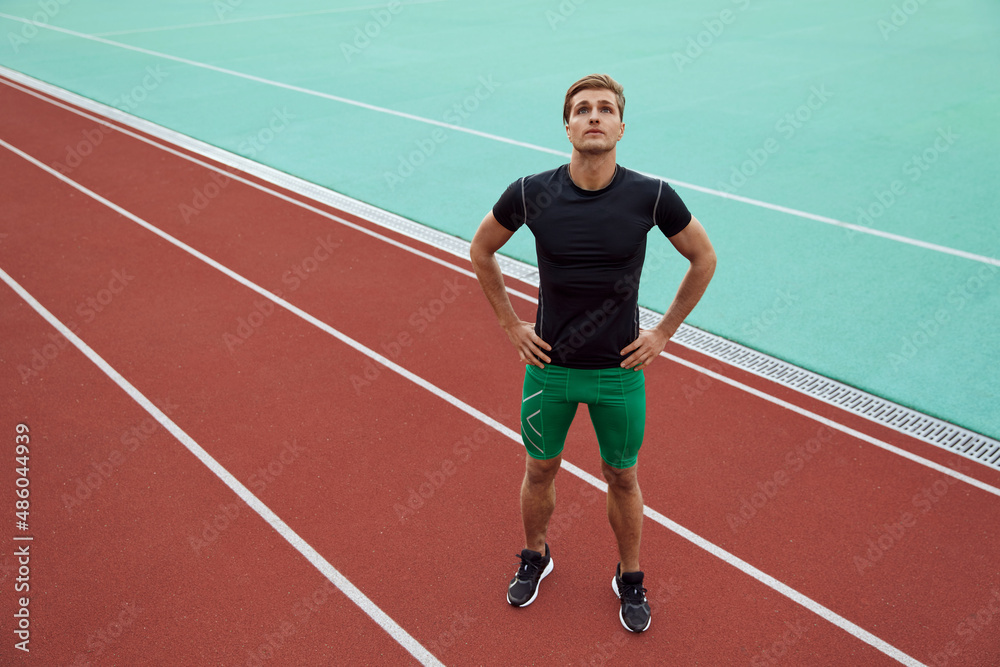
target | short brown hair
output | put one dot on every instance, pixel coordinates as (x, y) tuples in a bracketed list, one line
[(591, 82)]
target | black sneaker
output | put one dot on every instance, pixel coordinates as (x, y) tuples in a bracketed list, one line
[(635, 614), (523, 587)]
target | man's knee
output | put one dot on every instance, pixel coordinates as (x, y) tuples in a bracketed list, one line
[(541, 471), (620, 478)]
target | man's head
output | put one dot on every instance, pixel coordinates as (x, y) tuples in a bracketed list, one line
[(595, 82), (593, 114)]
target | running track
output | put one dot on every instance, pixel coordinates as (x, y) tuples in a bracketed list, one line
[(293, 501)]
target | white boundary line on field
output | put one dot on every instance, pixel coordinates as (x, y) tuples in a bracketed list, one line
[(385, 621), (696, 367), (494, 137), (254, 19), (287, 86), (236, 177), (352, 592), (961, 441)]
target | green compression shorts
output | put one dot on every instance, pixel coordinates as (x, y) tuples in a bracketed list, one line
[(615, 398)]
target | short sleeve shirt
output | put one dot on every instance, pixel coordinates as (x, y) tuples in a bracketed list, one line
[(590, 245)]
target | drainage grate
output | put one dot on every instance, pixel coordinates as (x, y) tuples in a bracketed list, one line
[(929, 429), (910, 422)]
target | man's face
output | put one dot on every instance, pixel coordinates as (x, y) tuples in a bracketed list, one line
[(595, 122)]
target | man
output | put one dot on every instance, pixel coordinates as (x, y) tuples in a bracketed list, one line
[(590, 219)]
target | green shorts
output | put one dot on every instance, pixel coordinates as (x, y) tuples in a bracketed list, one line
[(615, 397)]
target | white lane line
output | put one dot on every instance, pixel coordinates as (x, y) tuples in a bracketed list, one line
[(493, 137), (413, 231), (258, 186), (761, 576), (254, 19), (329, 571), (972, 481), (527, 297), (839, 223), (288, 86), (767, 580)]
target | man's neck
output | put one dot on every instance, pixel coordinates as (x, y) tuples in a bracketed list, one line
[(592, 172)]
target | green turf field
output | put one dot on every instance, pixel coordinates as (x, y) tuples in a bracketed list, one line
[(879, 114)]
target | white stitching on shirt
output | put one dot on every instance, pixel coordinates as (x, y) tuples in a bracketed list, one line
[(659, 190)]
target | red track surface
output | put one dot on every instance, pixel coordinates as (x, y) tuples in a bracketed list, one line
[(158, 561)]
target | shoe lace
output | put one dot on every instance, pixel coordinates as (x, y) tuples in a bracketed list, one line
[(633, 594), (527, 568)]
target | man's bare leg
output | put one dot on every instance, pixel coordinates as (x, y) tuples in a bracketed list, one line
[(538, 500), (625, 513)]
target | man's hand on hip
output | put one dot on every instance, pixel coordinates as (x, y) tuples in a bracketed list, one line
[(644, 349), (529, 346)]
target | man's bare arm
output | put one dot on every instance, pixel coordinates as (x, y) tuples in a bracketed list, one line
[(489, 238), (692, 242)]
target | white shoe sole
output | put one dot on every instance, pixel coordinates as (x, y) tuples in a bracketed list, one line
[(614, 587), (545, 573)]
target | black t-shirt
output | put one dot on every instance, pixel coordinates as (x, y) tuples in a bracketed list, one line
[(590, 245)]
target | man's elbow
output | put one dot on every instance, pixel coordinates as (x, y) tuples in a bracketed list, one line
[(705, 261), (475, 251), (711, 260), (480, 254)]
